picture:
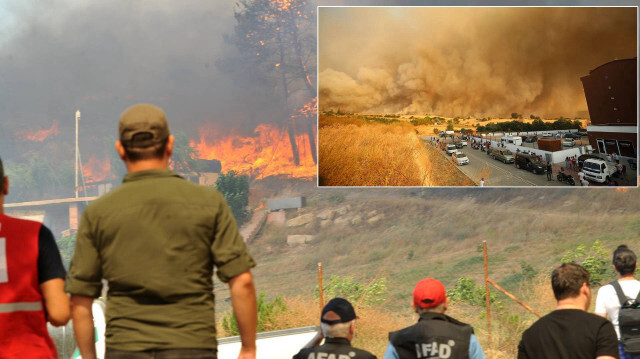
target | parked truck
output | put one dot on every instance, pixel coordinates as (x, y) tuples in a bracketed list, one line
[(598, 170)]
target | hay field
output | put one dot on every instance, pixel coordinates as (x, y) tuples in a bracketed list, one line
[(358, 152)]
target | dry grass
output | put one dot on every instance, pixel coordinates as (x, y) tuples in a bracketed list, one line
[(354, 152), (328, 121), (372, 155), (444, 172), (372, 328)]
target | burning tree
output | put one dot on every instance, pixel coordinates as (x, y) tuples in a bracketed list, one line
[(276, 42)]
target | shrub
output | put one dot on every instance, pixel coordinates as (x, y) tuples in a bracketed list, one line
[(354, 291), (595, 260), (466, 290), (267, 313)]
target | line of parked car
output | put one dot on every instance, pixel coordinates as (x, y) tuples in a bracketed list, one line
[(595, 168)]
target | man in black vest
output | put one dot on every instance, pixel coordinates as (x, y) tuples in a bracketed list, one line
[(436, 335), (338, 327)]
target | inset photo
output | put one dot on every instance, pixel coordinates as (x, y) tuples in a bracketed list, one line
[(477, 96)]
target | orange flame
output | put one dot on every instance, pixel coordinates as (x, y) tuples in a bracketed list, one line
[(283, 5), (38, 135), (266, 154), (96, 170), (309, 110)]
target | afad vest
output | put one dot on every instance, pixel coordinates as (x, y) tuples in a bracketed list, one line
[(23, 327), (435, 336), (334, 348)]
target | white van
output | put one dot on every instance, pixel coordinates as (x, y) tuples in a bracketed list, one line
[(516, 140)]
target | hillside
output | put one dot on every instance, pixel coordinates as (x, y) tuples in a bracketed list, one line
[(404, 235)]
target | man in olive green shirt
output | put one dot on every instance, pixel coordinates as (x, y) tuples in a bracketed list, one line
[(155, 239)]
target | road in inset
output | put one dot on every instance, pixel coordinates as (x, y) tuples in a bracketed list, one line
[(496, 173)]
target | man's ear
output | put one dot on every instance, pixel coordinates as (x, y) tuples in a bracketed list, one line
[(120, 149), (5, 185), (170, 142)]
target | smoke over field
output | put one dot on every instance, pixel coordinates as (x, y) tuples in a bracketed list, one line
[(467, 61)]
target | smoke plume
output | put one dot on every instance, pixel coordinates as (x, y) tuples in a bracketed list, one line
[(467, 61)]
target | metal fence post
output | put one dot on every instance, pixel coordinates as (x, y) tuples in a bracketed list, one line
[(486, 283), (320, 294)]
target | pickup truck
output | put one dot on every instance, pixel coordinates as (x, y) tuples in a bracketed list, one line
[(598, 170)]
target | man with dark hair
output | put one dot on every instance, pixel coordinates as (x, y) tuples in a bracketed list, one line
[(625, 263), (31, 286), (436, 335), (337, 328), (155, 240), (569, 331)]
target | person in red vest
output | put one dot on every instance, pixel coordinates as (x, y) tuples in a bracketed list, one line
[(31, 286)]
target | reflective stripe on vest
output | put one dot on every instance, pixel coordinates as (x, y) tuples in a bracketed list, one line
[(20, 307)]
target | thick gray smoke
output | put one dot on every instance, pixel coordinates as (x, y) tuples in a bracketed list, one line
[(467, 61), (102, 56)]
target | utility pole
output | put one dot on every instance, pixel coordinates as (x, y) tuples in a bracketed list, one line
[(77, 153)]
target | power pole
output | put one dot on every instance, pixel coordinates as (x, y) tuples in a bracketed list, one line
[(77, 153)]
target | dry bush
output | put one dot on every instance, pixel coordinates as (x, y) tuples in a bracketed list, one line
[(325, 120), (374, 325), (371, 155)]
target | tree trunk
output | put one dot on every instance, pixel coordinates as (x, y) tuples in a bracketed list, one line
[(290, 130)]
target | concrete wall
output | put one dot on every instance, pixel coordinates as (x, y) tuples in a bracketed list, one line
[(276, 204), (556, 157)]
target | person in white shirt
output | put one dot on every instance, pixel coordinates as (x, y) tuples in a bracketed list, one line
[(625, 263)]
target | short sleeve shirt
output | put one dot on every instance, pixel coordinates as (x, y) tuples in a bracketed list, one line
[(569, 333), (607, 301), (156, 239)]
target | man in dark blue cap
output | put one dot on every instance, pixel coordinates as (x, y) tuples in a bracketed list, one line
[(338, 322)]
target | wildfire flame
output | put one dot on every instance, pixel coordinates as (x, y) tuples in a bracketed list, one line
[(38, 135), (266, 154), (96, 170), (309, 110)]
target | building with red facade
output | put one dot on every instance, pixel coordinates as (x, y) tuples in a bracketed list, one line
[(612, 97)]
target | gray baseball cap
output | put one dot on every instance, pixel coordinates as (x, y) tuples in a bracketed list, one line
[(143, 125)]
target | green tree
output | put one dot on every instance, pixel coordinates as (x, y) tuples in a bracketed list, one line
[(450, 127), (595, 260), (235, 189), (276, 43)]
